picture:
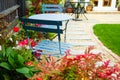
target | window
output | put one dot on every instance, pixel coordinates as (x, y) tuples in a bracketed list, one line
[(95, 2), (106, 3)]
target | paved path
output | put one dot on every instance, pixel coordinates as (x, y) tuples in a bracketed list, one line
[(80, 33)]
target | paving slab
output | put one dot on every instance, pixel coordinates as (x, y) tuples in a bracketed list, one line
[(76, 30)]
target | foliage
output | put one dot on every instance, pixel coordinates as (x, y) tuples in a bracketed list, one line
[(16, 54), (33, 7), (12, 65), (80, 67), (18, 36), (118, 3), (109, 36), (91, 3), (25, 53), (52, 1)]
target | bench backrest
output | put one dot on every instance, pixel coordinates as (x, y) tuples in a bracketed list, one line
[(51, 8), (29, 24)]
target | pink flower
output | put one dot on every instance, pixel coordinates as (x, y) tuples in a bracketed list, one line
[(33, 44), (21, 43), (26, 41), (16, 29)]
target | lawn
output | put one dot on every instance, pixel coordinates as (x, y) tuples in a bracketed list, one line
[(109, 35)]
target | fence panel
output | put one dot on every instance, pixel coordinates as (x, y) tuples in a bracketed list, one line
[(8, 16), (5, 4)]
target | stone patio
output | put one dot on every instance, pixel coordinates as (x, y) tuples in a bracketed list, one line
[(80, 33)]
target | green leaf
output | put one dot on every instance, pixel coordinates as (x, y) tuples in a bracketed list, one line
[(8, 51), (23, 70), (32, 69), (1, 57), (13, 54), (5, 65), (3, 50), (28, 75), (11, 61), (20, 60)]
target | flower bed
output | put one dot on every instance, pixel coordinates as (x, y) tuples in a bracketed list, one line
[(16, 57), (86, 66)]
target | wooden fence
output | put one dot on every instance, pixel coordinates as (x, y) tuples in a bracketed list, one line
[(8, 16), (5, 4)]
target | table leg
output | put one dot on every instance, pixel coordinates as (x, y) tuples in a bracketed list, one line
[(82, 12)]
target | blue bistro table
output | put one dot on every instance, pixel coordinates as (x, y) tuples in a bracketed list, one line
[(54, 17), (78, 8)]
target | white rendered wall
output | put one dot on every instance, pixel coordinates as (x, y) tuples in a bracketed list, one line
[(100, 6)]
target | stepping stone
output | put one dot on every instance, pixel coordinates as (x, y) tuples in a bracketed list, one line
[(76, 32), (87, 43), (78, 37), (78, 29)]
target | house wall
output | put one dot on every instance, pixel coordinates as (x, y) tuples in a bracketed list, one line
[(100, 6)]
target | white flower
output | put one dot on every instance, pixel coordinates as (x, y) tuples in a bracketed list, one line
[(27, 47), (0, 48), (10, 39), (17, 47), (16, 42)]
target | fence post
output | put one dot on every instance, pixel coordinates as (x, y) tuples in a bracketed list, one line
[(22, 8)]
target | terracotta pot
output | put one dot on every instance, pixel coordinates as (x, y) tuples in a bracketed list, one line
[(89, 8), (118, 8), (69, 10)]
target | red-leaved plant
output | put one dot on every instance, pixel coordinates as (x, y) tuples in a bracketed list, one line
[(86, 66)]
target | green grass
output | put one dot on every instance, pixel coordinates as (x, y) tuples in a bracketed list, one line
[(109, 35)]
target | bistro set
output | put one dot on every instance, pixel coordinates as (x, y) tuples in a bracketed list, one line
[(51, 20)]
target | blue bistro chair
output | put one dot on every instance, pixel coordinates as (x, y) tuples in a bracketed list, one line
[(54, 8), (47, 46), (50, 8)]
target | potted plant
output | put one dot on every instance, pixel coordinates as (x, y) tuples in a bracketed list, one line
[(68, 6), (89, 7), (118, 5), (69, 10)]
